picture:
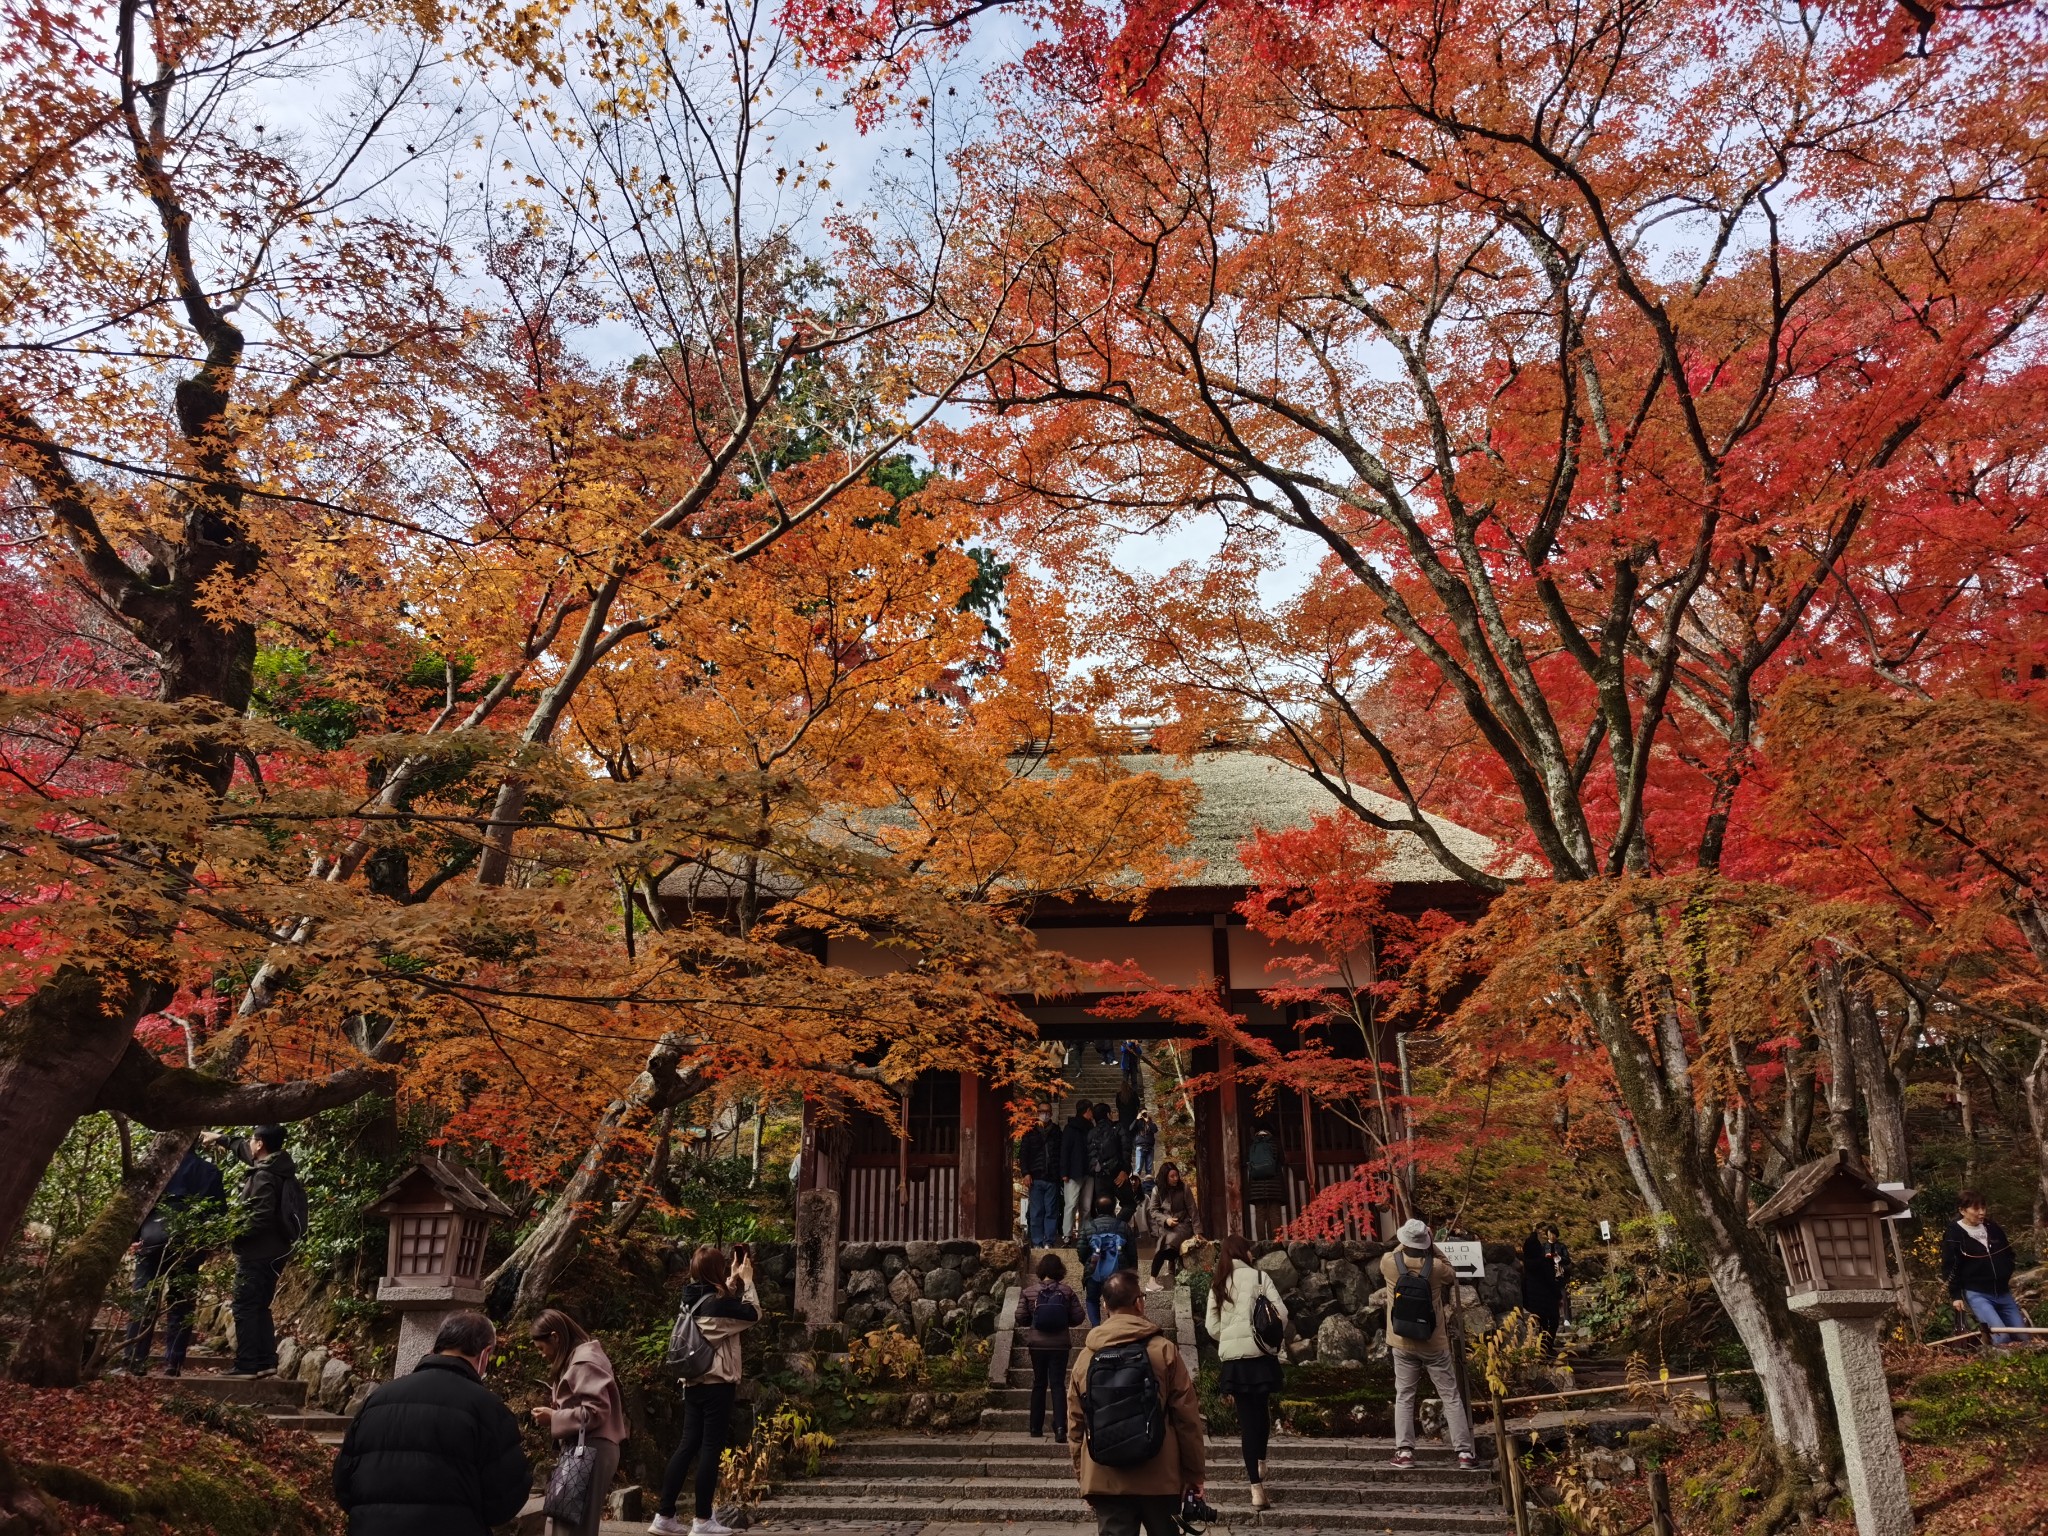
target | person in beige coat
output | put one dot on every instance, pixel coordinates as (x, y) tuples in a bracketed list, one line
[(722, 1296), (585, 1401), (1417, 1255), (1149, 1494)]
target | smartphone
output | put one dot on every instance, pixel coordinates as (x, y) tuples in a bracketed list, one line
[(739, 1253)]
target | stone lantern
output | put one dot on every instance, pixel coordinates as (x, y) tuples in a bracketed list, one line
[(1828, 1217), (440, 1220)]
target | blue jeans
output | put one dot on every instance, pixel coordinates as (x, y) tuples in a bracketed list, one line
[(1996, 1313), (1091, 1299), (1042, 1213)]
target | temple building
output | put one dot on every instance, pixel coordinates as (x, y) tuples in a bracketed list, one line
[(953, 1177)]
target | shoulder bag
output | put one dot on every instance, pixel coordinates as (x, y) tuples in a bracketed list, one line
[(570, 1490)]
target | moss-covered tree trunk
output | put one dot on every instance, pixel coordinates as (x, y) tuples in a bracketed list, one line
[(547, 1251), (52, 1351)]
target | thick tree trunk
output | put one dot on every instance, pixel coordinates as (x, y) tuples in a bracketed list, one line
[(545, 1252), (542, 1256), (1639, 1170), (2036, 1085), (1785, 1356), (1678, 1145), (1884, 1097), (1831, 1020), (1795, 1125), (52, 1351), (58, 1047)]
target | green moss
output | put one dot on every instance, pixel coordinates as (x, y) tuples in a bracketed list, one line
[(76, 1486), (243, 1500), (1338, 1400), (1999, 1397)]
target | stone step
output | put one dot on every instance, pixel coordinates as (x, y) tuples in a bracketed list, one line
[(313, 1423), (256, 1391), (1292, 1447), (1435, 1477), (1410, 1489), (784, 1510)]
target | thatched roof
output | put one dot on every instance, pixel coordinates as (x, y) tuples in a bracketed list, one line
[(1239, 791), (1242, 791)]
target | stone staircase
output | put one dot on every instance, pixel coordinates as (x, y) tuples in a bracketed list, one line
[(287, 1403), (1088, 1078), (1001, 1475), (995, 1477)]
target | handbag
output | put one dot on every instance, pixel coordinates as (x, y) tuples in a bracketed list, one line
[(1268, 1331), (570, 1490)]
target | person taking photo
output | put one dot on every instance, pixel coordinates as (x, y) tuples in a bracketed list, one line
[(721, 1298)]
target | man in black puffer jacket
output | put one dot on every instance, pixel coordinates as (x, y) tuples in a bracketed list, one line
[(1080, 1189), (436, 1453), (1105, 1150)]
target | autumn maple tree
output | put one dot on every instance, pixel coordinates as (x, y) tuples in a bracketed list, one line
[(468, 711), (1585, 348)]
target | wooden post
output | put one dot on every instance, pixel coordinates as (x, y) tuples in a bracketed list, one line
[(1233, 1147), (903, 1152), (967, 1219), (1500, 1453), (1660, 1504), (1308, 1143), (1504, 1457)]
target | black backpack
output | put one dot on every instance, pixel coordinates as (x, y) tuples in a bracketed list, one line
[(1268, 1331), (690, 1354), (1123, 1412), (1264, 1159), (1413, 1310), (293, 1214), (1051, 1314)]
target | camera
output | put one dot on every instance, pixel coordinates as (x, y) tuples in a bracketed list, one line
[(1196, 1512)]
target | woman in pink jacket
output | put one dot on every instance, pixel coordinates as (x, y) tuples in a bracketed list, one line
[(585, 1400)]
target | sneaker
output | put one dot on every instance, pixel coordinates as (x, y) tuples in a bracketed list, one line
[(709, 1527), (667, 1525), (1404, 1458), (1467, 1460)]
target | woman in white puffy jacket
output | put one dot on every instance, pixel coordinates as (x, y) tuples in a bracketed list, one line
[(1250, 1375)]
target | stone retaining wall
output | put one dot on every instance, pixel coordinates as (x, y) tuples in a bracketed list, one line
[(1336, 1300), (930, 1291)]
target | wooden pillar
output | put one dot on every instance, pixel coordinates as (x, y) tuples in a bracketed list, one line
[(903, 1158), (1226, 1100), (1308, 1147), (807, 1170), (1309, 1180), (966, 1218), (1232, 1139)]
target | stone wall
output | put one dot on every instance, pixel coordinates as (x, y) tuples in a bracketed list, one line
[(1336, 1300), (930, 1291)]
